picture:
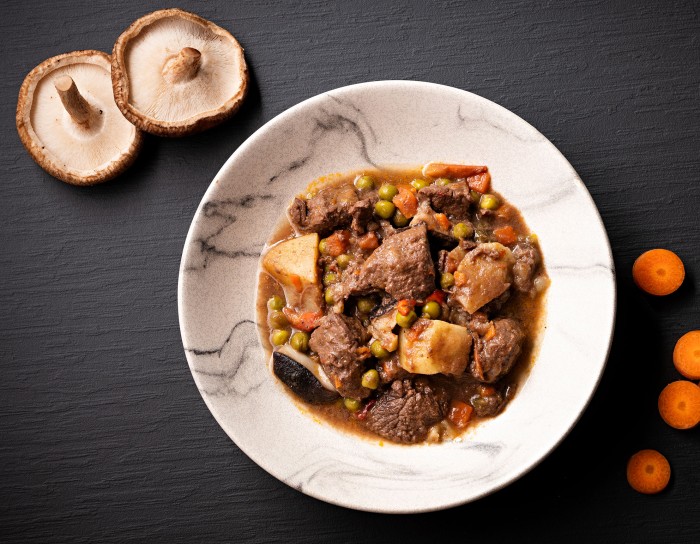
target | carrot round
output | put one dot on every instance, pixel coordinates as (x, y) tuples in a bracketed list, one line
[(648, 472), (658, 272), (679, 404), (686, 355)]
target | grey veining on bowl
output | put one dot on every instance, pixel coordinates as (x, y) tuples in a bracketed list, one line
[(374, 124)]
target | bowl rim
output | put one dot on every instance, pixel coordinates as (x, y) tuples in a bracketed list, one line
[(252, 141)]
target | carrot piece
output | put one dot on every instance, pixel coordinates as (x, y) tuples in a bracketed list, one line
[(444, 170), (648, 472), (405, 306), (406, 201), (443, 221), (460, 279), (486, 390), (679, 404), (368, 241), (658, 272), (296, 282), (337, 243), (459, 414), (306, 321), (505, 235), (686, 355), (481, 183)]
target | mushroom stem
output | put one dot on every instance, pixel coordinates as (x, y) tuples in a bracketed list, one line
[(77, 107), (183, 66)]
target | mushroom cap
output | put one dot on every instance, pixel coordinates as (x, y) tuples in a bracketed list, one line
[(156, 103), (69, 151)]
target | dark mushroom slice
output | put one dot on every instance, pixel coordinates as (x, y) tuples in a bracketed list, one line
[(300, 380)]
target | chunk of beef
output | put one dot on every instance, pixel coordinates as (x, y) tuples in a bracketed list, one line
[(328, 209), (487, 406), (496, 349), (406, 411), (452, 199), (390, 369), (338, 340), (527, 261), (439, 233), (362, 213), (401, 266), (484, 274)]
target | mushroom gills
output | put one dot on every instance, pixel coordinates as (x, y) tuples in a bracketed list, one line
[(301, 380)]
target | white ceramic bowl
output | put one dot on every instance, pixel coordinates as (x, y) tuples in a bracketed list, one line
[(392, 122)]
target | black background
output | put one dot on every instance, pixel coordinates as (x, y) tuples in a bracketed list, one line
[(103, 434)]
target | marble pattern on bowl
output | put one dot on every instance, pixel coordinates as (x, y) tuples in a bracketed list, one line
[(374, 124)]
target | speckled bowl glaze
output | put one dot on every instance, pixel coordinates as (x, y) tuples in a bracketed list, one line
[(373, 124)]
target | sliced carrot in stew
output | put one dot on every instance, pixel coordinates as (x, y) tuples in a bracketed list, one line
[(406, 201), (405, 306), (486, 390), (505, 235), (296, 282), (679, 404), (459, 414), (443, 221), (338, 243), (481, 183), (306, 321), (686, 355), (648, 472), (444, 170), (368, 241), (658, 272)]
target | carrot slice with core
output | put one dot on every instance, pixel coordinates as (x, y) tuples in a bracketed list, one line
[(658, 272), (648, 472), (679, 404), (686, 355)]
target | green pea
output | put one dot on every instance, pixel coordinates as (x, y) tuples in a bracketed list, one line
[(328, 297), (400, 220), (364, 182), (475, 196), (432, 310), (462, 230), (488, 202), (370, 379), (329, 278), (419, 184), (278, 320), (532, 238), (323, 246), (443, 181), (406, 321), (388, 192), (279, 337), (353, 405), (365, 305), (377, 350), (343, 260), (447, 280), (300, 341), (384, 209), (275, 303)]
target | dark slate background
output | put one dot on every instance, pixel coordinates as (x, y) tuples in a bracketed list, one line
[(103, 435)]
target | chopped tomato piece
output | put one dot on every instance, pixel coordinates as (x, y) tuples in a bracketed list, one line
[(460, 413), (362, 414), (406, 201), (505, 235), (481, 183), (437, 296), (306, 321), (368, 241)]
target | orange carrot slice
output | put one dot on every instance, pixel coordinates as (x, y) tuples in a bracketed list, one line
[(368, 241), (459, 414), (658, 272), (648, 472), (505, 235), (444, 170), (406, 201), (686, 355), (679, 404)]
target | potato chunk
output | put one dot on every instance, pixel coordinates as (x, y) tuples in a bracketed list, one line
[(293, 264), (483, 274), (432, 347)]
